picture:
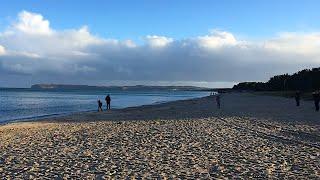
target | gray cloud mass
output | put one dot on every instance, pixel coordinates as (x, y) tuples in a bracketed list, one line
[(32, 52)]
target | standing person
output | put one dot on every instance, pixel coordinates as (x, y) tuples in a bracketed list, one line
[(99, 106), (108, 101), (316, 99), (297, 98), (218, 100)]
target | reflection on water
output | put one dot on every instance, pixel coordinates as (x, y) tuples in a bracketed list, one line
[(24, 103)]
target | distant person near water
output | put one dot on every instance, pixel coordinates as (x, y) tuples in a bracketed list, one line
[(316, 99), (108, 101), (99, 106), (297, 98), (218, 98)]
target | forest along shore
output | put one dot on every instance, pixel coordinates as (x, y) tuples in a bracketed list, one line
[(250, 136)]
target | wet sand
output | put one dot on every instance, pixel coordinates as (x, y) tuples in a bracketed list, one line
[(251, 136)]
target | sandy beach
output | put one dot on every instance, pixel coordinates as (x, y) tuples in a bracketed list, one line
[(251, 136)]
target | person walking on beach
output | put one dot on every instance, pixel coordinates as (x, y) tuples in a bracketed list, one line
[(316, 99), (218, 100), (297, 98), (108, 101), (99, 106)]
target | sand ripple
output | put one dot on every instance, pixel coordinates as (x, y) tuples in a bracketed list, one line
[(230, 147)]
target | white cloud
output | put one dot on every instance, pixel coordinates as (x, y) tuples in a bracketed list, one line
[(295, 43), (32, 23), (158, 41), (35, 53), (2, 50), (80, 38), (129, 43), (31, 35), (217, 39)]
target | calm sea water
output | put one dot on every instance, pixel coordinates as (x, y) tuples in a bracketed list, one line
[(18, 104)]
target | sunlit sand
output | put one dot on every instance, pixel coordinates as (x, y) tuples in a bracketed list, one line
[(183, 139)]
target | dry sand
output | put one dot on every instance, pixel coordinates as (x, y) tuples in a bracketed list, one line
[(251, 136)]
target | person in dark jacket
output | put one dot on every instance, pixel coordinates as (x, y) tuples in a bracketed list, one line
[(218, 98), (108, 101), (316, 99), (297, 98), (99, 105)]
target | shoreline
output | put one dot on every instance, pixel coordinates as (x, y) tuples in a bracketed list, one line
[(245, 105), (237, 109), (66, 114)]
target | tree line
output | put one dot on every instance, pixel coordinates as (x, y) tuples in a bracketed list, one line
[(305, 80)]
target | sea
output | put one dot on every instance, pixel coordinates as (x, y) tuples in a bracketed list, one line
[(30, 104)]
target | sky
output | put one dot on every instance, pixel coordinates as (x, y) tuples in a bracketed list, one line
[(182, 42)]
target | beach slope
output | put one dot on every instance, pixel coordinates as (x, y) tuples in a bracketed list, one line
[(250, 136)]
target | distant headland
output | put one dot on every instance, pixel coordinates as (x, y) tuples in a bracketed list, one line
[(129, 88)]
